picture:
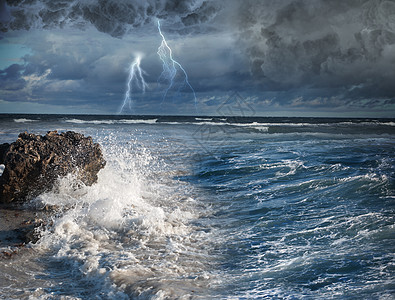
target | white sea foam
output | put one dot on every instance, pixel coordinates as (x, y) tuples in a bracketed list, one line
[(255, 125), (149, 121), (95, 122), (109, 122), (128, 228), (377, 123), (259, 126), (23, 120), (203, 119)]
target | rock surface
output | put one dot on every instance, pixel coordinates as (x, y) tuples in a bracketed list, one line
[(34, 162), (17, 227)]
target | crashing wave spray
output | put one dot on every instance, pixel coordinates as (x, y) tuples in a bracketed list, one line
[(135, 77), (170, 68)]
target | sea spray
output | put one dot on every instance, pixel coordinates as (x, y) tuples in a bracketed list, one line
[(129, 232)]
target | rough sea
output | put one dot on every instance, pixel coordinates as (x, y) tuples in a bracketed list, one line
[(216, 208)]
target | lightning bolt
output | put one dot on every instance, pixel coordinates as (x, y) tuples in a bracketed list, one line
[(170, 69), (136, 79)]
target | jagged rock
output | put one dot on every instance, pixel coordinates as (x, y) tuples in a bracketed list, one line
[(34, 162), (20, 226), (3, 150)]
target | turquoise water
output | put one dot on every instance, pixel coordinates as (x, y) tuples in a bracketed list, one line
[(216, 208)]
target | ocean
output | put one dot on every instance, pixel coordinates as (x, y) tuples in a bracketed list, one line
[(216, 208)]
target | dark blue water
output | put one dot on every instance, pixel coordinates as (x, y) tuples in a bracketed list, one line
[(306, 217), (226, 208)]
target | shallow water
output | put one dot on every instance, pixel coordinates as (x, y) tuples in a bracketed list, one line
[(215, 208)]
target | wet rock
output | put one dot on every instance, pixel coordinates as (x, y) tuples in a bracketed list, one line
[(3, 150), (34, 162), (19, 227)]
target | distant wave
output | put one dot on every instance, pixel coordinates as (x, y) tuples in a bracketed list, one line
[(249, 124), (151, 121), (214, 123), (369, 123), (23, 120), (276, 127), (96, 122), (261, 128), (109, 122), (203, 119)]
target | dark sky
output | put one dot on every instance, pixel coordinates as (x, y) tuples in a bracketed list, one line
[(282, 57)]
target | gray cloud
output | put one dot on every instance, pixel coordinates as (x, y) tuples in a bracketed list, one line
[(115, 17), (348, 45), (68, 68), (283, 54), (10, 80), (91, 68)]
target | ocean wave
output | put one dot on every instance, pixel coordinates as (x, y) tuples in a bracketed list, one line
[(23, 120), (95, 122), (263, 127), (203, 119), (130, 227), (110, 122), (304, 207), (256, 125), (150, 121), (373, 122)]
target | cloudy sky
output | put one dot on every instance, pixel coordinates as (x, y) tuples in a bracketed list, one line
[(281, 57)]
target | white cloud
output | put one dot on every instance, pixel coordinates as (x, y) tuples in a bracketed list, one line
[(33, 82)]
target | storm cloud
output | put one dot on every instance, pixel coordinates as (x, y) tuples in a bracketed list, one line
[(286, 55), (344, 46), (115, 17)]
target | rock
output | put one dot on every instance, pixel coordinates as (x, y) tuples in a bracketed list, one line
[(34, 162), (19, 227), (3, 150)]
